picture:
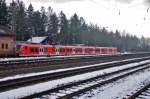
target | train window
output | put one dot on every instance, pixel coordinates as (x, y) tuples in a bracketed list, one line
[(102, 50), (76, 50), (36, 49), (6, 46), (45, 49), (80, 50), (18, 47), (70, 50), (53, 49), (63, 50), (2, 46), (31, 49)]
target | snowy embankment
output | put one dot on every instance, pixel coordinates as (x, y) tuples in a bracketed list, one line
[(54, 83)]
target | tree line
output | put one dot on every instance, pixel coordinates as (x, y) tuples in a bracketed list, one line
[(26, 22)]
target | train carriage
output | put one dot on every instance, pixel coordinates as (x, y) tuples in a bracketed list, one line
[(49, 50)]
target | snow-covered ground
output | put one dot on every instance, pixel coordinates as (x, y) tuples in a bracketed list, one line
[(20, 58), (51, 84), (119, 89)]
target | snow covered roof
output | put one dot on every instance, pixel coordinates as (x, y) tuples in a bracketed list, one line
[(5, 31), (36, 39)]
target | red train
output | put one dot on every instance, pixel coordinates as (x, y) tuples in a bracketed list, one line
[(49, 50)]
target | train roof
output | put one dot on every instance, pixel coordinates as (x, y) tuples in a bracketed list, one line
[(66, 46), (25, 44), (36, 40)]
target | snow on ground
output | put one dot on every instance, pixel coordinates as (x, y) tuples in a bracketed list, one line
[(120, 88), (21, 58), (59, 70), (51, 84)]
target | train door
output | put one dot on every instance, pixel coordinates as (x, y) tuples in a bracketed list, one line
[(83, 50), (57, 50), (41, 51), (94, 50), (73, 50)]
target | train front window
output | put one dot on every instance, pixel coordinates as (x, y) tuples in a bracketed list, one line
[(18, 47)]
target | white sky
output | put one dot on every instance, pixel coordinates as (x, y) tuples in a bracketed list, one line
[(132, 16)]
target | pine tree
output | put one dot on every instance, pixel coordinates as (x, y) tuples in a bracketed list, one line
[(21, 22), (37, 22), (43, 21), (53, 28), (75, 28), (3, 13), (53, 24), (63, 25), (30, 19)]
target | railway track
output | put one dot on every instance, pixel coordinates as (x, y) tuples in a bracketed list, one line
[(10, 84), (51, 59), (14, 67), (68, 91), (20, 82), (142, 93), (24, 60), (44, 64)]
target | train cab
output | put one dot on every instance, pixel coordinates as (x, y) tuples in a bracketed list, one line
[(27, 50), (34, 50)]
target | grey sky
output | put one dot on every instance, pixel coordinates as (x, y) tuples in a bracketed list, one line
[(64, 1), (132, 16), (56, 1), (124, 1), (147, 2)]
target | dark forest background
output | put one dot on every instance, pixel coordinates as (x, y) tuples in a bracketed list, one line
[(26, 22)]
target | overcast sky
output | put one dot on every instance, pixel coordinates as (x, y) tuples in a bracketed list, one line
[(132, 16)]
